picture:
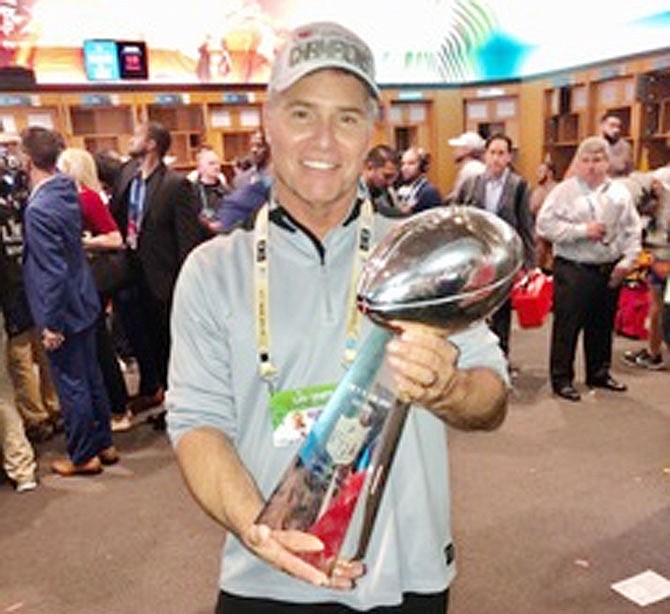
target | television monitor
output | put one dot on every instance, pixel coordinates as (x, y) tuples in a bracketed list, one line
[(101, 61), (133, 61)]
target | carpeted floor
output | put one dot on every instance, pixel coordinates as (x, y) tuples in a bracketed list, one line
[(548, 512)]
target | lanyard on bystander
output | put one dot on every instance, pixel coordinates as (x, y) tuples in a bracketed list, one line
[(138, 191)]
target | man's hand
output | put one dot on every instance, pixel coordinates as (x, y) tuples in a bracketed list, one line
[(595, 231), (51, 339), (280, 549), (424, 363)]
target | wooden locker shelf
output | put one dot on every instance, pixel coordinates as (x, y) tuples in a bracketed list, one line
[(230, 127), (654, 89), (499, 113), (18, 111), (186, 124), (101, 120), (97, 128), (565, 122)]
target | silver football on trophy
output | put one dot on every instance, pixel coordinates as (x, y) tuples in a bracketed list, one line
[(447, 266)]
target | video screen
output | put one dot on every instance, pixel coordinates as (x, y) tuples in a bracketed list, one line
[(132, 57), (101, 61)]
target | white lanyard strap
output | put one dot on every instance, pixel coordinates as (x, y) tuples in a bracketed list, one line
[(354, 315), (262, 287), (600, 196)]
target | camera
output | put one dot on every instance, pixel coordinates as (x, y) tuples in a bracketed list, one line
[(14, 187)]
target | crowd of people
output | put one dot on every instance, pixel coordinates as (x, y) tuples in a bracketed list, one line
[(105, 257)]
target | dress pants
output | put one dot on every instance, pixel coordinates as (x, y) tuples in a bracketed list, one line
[(115, 384), (18, 457), (146, 321), (583, 302), (35, 395), (501, 323), (83, 398)]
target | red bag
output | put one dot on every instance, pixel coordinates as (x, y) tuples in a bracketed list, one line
[(532, 297), (632, 311)]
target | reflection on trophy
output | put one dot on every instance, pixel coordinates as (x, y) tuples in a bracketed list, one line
[(446, 267)]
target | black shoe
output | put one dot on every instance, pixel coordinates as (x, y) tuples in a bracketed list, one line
[(40, 432), (568, 392), (158, 421), (609, 383)]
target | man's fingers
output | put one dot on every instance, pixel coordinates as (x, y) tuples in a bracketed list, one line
[(423, 362), (408, 327), (409, 391), (293, 565), (260, 535), (278, 549), (281, 548), (345, 574), (423, 343), (349, 569), (409, 365), (298, 541)]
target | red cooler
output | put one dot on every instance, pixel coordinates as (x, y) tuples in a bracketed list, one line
[(532, 298)]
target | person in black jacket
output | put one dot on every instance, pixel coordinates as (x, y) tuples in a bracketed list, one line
[(156, 211)]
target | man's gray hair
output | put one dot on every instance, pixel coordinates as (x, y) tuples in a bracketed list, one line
[(593, 145)]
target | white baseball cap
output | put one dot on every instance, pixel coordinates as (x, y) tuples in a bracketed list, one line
[(662, 175), (9, 138), (469, 140), (320, 45)]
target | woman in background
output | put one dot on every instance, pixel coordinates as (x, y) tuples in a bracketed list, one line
[(100, 233)]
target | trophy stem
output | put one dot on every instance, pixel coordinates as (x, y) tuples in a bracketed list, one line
[(379, 473)]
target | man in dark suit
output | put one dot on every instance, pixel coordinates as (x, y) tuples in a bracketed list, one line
[(156, 210), (503, 192), (64, 304)]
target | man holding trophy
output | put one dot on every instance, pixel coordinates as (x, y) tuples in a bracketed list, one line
[(264, 326)]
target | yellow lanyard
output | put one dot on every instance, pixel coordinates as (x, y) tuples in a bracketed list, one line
[(267, 370)]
